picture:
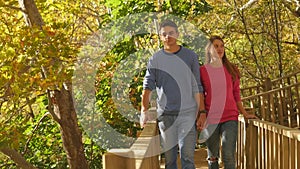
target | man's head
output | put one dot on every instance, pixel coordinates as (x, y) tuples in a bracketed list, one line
[(168, 23), (168, 32)]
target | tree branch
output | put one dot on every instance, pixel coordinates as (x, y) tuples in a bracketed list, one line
[(35, 128), (295, 12), (243, 19), (248, 4), (13, 7), (30, 107), (17, 158)]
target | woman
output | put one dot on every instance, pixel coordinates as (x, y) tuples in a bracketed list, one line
[(220, 80)]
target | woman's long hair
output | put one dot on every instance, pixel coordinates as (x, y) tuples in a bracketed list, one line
[(231, 68)]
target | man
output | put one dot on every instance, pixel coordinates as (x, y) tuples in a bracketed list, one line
[(174, 72)]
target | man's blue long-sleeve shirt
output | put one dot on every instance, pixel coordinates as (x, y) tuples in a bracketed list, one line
[(176, 78)]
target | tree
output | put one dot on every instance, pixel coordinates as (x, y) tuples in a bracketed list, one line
[(261, 36), (60, 102), (37, 56)]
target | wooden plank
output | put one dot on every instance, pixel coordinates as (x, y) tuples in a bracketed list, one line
[(276, 149), (272, 108), (260, 146), (268, 149), (249, 143), (251, 147), (280, 111), (239, 160), (281, 149), (242, 144), (292, 153), (271, 147), (295, 137), (263, 109), (298, 155), (285, 152), (290, 110), (298, 105), (263, 147)]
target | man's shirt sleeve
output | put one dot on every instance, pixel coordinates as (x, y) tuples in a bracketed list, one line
[(197, 88), (149, 79)]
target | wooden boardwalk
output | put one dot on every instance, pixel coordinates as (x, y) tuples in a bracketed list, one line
[(200, 160)]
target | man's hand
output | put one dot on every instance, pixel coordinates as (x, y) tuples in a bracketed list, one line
[(201, 121), (144, 118), (144, 107)]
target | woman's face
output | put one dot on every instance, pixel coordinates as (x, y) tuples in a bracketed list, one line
[(219, 47)]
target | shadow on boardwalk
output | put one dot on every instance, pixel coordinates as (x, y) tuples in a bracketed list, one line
[(200, 160)]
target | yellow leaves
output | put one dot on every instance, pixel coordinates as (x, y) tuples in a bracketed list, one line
[(216, 2), (9, 135), (49, 31)]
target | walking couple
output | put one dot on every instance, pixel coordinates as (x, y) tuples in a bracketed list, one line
[(191, 98)]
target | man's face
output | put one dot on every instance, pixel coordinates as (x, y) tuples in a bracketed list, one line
[(168, 35)]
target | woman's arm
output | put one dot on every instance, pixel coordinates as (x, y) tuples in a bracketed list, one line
[(244, 112)]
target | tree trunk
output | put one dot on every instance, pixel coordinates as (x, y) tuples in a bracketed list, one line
[(71, 134), (61, 104), (17, 158), (31, 13)]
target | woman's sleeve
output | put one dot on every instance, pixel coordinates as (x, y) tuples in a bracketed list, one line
[(236, 90)]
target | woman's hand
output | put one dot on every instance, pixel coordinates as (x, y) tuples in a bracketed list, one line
[(249, 116)]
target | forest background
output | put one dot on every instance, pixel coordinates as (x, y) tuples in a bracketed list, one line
[(43, 44)]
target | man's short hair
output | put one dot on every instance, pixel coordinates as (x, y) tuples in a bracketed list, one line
[(168, 23)]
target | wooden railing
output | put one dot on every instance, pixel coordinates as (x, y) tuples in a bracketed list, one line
[(143, 154), (280, 106), (273, 142), (265, 145), (286, 80), (269, 84)]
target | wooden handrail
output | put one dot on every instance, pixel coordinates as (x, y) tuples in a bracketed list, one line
[(273, 81), (143, 154), (285, 77), (270, 91)]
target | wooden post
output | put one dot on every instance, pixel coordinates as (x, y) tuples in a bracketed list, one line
[(119, 158), (266, 98), (143, 154)]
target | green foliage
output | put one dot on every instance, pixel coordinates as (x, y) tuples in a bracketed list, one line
[(186, 9), (44, 149), (94, 153), (121, 8)]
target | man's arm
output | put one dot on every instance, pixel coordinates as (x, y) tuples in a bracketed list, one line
[(145, 106), (201, 114), (197, 97)]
